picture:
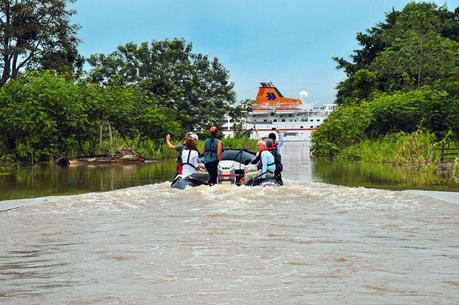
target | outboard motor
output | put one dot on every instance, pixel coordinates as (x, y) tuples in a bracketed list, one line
[(226, 172)]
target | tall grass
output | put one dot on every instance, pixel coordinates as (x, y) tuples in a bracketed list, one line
[(417, 149)]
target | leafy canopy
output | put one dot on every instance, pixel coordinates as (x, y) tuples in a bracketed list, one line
[(169, 72), (37, 34)]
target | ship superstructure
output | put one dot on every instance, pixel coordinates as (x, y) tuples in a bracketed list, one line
[(290, 116)]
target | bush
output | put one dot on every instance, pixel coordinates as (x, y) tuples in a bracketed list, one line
[(344, 127)]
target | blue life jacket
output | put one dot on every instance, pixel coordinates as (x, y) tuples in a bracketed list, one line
[(210, 146)]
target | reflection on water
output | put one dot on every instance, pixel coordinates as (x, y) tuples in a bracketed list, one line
[(25, 182), (45, 180), (305, 243), (380, 176)]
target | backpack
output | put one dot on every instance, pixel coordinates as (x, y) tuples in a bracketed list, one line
[(277, 161)]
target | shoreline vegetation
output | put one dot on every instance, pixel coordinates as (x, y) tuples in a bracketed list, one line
[(399, 104)]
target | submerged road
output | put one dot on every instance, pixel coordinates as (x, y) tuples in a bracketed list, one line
[(304, 243)]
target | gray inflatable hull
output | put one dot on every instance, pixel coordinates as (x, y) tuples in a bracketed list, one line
[(241, 156)]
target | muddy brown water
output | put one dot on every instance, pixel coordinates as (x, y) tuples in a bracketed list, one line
[(304, 243)]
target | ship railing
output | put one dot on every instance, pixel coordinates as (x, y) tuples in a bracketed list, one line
[(275, 107)]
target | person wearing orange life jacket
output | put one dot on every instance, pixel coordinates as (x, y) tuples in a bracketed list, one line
[(277, 144), (265, 166), (275, 149), (212, 155)]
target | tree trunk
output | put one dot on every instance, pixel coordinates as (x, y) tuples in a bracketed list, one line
[(6, 71), (420, 65), (111, 138)]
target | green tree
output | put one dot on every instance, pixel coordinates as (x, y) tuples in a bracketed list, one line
[(372, 42), (36, 34), (237, 115), (344, 127), (413, 47), (40, 114), (425, 107), (196, 87), (358, 87)]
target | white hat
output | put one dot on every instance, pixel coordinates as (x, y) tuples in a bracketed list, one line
[(192, 135)]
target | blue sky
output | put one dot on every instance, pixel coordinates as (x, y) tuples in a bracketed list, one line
[(288, 42)]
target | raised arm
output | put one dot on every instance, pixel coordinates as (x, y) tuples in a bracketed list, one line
[(168, 142), (219, 150), (281, 138), (256, 132)]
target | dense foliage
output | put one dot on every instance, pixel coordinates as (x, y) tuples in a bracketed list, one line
[(405, 78), (416, 46), (37, 34), (133, 96), (168, 71), (46, 116)]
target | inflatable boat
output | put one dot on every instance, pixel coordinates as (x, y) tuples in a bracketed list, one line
[(230, 171)]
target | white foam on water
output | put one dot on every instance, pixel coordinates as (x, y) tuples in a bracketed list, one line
[(301, 243)]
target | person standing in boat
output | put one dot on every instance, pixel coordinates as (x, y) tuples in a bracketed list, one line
[(272, 136), (277, 144), (212, 154)]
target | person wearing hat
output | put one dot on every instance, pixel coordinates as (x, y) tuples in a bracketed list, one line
[(180, 148), (212, 154)]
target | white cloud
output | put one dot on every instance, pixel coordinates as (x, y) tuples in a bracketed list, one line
[(303, 95)]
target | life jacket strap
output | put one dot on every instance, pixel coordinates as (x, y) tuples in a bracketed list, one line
[(188, 160)]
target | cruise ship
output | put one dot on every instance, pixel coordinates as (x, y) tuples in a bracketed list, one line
[(272, 110)]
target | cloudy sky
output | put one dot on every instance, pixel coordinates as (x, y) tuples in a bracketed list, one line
[(288, 42)]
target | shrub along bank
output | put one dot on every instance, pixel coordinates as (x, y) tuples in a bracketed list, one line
[(400, 99)]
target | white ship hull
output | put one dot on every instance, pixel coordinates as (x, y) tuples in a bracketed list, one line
[(296, 124), (290, 134)]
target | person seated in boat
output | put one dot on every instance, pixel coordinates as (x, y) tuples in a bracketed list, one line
[(264, 166), (179, 149), (191, 166)]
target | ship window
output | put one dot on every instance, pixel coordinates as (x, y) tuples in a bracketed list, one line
[(311, 126), (272, 113), (311, 120), (290, 115), (318, 120), (283, 120), (301, 127), (275, 120), (265, 120)]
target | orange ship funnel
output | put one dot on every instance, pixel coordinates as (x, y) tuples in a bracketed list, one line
[(270, 98)]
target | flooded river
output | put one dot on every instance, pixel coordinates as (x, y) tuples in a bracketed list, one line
[(304, 243)]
